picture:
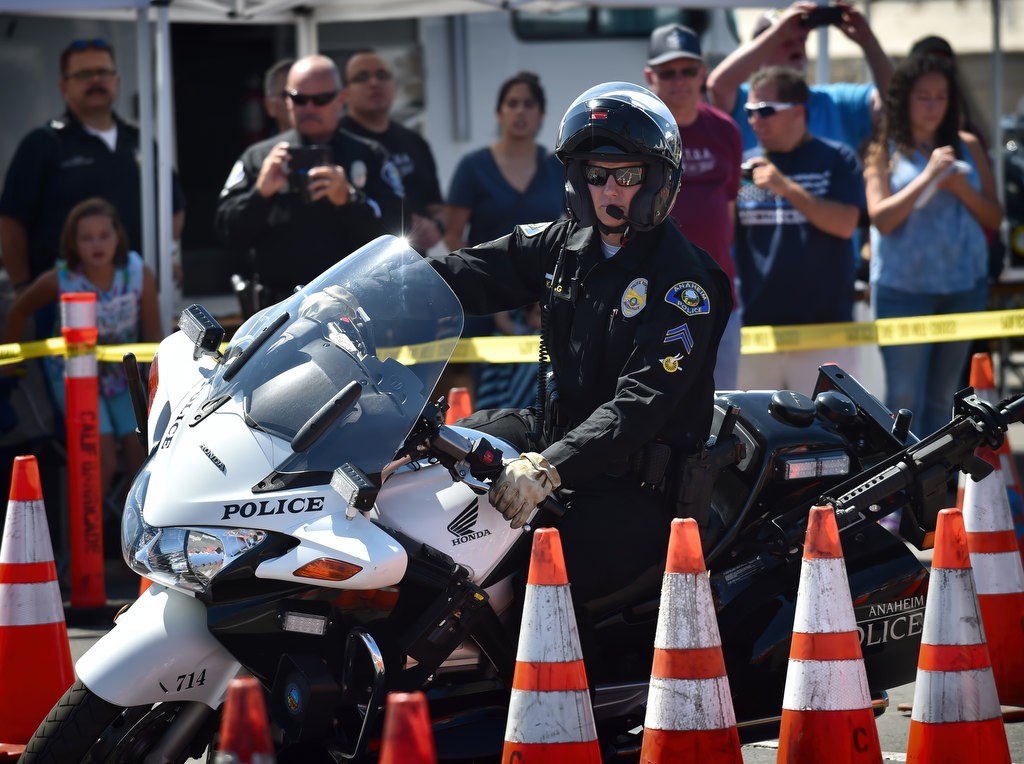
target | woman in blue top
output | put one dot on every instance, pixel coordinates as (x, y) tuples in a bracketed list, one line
[(930, 194), (512, 182)]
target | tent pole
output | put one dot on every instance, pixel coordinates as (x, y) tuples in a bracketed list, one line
[(147, 192), (165, 279), (307, 40)]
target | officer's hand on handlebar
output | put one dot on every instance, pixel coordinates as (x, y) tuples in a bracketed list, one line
[(523, 484)]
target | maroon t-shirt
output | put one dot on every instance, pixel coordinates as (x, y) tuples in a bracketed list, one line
[(712, 152)]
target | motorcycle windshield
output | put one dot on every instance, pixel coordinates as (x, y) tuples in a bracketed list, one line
[(382, 318)]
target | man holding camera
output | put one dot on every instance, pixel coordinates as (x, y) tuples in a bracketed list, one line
[(841, 111), (303, 200), (796, 212)]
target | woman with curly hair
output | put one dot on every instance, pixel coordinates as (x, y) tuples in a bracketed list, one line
[(930, 195)]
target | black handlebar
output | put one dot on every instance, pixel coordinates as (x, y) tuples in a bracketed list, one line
[(917, 476)]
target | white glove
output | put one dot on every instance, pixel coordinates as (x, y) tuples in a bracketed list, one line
[(523, 484)]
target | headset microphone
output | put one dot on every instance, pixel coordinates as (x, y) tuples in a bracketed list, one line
[(614, 211)]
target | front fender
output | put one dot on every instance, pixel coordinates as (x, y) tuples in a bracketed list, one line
[(159, 650)]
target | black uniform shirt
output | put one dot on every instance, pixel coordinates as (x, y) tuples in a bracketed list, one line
[(294, 241), (414, 161), (60, 164), (632, 339)]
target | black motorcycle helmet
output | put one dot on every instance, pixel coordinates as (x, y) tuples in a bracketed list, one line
[(621, 122)]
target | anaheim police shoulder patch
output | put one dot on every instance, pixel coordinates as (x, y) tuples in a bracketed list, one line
[(529, 230), (689, 297)]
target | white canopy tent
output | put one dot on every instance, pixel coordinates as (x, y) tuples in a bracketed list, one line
[(154, 17)]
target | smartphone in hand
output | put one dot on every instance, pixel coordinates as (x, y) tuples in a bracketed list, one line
[(822, 16)]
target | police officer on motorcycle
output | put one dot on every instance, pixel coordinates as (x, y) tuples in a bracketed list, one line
[(632, 317)]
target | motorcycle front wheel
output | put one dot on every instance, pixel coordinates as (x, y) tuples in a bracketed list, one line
[(83, 728)]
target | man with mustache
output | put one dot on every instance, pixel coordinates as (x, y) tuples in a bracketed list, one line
[(294, 229), (87, 151)]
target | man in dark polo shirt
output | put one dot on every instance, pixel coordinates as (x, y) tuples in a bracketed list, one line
[(370, 92), (87, 151)]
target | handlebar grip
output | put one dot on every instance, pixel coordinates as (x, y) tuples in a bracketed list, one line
[(1014, 411)]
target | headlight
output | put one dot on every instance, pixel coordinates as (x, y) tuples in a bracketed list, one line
[(185, 558)]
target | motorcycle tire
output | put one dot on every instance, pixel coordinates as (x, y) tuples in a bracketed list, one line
[(82, 727)]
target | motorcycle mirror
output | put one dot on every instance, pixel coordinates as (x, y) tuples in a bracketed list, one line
[(202, 328)]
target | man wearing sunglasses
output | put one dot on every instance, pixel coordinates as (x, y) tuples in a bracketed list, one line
[(297, 221), (705, 207), (370, 89), (632, 317), (796, 215), (87, 151), (841, 111)]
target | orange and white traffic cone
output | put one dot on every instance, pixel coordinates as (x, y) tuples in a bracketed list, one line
[(955, 716), (459, 405), (998, 576), (35, 655), (826, 706), (244, 729), (689, 706), (983, 381), (550, 718), (407, 735)]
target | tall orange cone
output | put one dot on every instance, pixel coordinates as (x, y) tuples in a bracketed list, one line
[(983, 381), (689, 706), (998, 576), (459, 405), (955, 716), (244, 729), (550, 718), (35, 655), (407, 735), (826, 706)]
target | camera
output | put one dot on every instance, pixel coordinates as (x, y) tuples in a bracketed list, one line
[(301, 160), (747, 171), (822, 16)]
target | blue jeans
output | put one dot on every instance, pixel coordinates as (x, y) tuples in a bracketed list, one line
[(923, 377)]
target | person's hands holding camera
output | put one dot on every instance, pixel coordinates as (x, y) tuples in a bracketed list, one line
[(764, 174), (854, 25), (329, 182), (523, 484), (273, 175)]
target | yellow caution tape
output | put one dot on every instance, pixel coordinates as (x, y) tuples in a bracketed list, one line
[(755, 339), (884, 331)]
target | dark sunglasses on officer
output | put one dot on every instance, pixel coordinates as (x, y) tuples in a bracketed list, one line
[(624, 176), (317, 99)]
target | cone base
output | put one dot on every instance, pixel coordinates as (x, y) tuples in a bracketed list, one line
[(847, 737), (1003, 617), (576, 753), (957, 742), (705, 746), (35, 670)]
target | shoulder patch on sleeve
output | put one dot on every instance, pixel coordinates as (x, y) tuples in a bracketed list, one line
[(235, 177), (689, 297), (529, 230)]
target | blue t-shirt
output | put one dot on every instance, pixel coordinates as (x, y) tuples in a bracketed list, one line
[(940, 248), (790, 271), (840, 111), (495, 208)]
